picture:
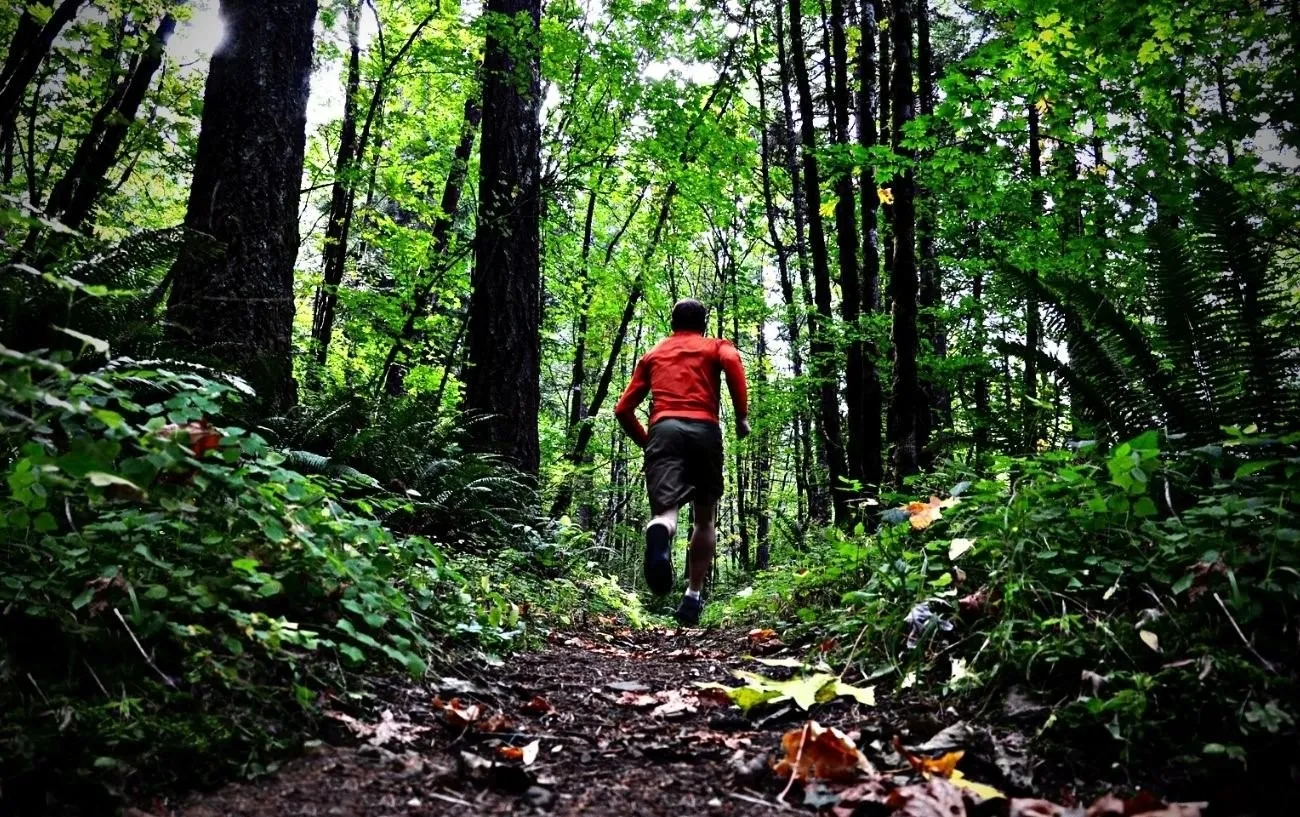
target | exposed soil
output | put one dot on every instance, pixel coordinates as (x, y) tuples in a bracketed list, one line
[(629, 734)]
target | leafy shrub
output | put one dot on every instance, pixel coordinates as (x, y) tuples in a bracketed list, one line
[(1158, 582), (175, 593)]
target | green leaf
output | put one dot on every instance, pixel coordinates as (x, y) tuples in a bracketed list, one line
[(101, 479)]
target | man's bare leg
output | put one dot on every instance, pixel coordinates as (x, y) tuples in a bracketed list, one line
[(704, 540)]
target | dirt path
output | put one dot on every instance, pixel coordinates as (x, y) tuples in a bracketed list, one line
[(618, 727)]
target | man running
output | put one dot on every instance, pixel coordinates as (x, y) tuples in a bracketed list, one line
[(683, 449)]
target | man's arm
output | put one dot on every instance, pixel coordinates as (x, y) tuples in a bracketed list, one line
[(625, 410), (734, 369)]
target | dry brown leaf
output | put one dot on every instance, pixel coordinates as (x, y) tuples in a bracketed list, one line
[(816, 752), (935, 797), (388, 730), (760, 636), (495, 723), (713, 696), (456, 713), (1021, 807), (870, 792), (538, 705), (636, 700)]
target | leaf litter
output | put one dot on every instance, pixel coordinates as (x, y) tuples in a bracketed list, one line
[(548, 734)]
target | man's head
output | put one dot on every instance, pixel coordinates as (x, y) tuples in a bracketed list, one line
[(689, 315)]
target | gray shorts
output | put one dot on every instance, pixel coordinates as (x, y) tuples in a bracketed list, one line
[(683, 463)]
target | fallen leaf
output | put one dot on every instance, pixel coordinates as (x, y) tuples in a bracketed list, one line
[(935, 797), (816, 752), (1021, 807), (529, 753), (637, 700), (828, 645), (494, 723), (759, 636), (388, 730), (538, 705), (958, 547), (1150, 639), (628, 686), (714, 696), (456, 713), (909, 680), (978, 789), (513, 753)]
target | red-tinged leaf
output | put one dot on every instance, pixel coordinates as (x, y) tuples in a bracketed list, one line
[(538, 705), (935, 797)]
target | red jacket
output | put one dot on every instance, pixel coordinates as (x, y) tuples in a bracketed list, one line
[(682, 375)]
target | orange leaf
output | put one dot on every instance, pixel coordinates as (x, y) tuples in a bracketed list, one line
[(538, 706), (813, 751), (510, 752)]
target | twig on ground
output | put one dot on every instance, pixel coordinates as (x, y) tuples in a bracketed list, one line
[(848, 662), (447, 798), (794, 770), (168, 681), (1268, 666), (758, 801), (39, 691)]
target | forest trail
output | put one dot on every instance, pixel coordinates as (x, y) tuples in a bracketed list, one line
[(616, 723)]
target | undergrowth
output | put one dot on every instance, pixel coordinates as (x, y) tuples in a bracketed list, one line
[(1148, 594), (182, 599)]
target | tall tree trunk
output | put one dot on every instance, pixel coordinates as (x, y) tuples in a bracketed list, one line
[(1033, 324), (931, 286), (20, 71), (343, 199), (872, 394), (886, 86), (448, 210), (762, 467), (823, 351), (74, 196), (782, 252), (335, 252), (505, 306), (981, 421), (907, 403), (247, 177), (818, 504), (850, 275)]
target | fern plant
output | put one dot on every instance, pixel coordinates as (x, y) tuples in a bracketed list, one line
[(1217, 348)]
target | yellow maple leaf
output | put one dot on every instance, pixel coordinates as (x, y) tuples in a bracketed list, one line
[(885, 195)]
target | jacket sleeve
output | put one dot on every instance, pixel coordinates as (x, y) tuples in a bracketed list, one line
[(734, 369), (625, 409)]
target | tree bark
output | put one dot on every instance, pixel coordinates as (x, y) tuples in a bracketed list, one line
[(1033, 329), (931, 286), (818, 504), (872, 395), (762, 468), (850, 275), (74, 197), (20, 70), (907, 401), (336, 250), (823, 350), (505, 306), (238, 309)]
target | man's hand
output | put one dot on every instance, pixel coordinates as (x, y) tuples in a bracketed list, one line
[(742, 427)]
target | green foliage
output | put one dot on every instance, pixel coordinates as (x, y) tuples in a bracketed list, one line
[(177, 591), (1133, 567)]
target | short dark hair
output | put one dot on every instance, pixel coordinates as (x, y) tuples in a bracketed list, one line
[(689, 315)]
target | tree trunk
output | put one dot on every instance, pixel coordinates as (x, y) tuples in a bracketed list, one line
[(74, 197), (872, 396), (782, 252), (823, 351), (931, 286), (907, 403), (1033, 329), (762, 467), (846, 232), (335, 252), (818, 506), (980, 423), (885, 99), (238, 309), (505, 307), (20, 70)]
